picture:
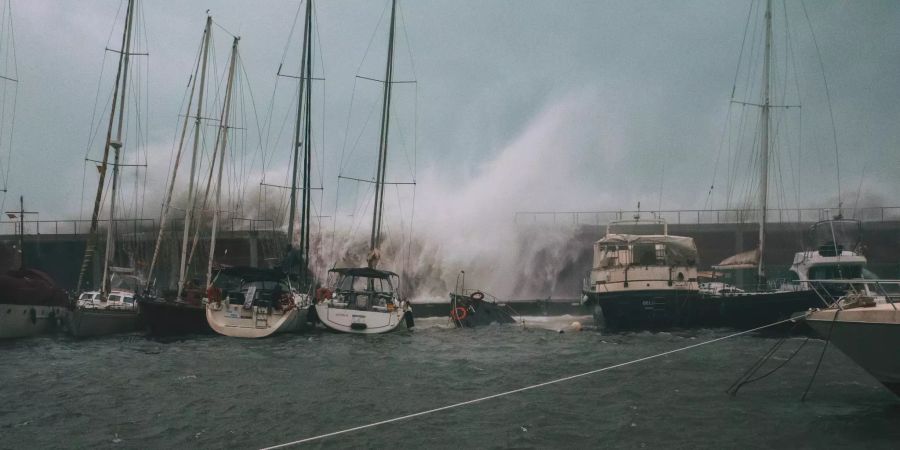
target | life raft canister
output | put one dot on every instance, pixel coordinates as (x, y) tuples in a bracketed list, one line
[(459, 313), (477, 296)]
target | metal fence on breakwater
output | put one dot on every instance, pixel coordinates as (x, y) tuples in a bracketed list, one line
[(707, 216)]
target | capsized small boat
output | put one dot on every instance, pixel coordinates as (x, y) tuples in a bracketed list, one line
[(475, 308), (865, 326)]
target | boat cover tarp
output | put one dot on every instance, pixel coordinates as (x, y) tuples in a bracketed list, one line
[(680, 250), (30, 287), (743, 260)]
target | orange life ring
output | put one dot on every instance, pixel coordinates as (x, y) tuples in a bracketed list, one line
[(459, 313)]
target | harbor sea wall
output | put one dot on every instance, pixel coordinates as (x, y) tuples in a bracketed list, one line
[(60, 254)]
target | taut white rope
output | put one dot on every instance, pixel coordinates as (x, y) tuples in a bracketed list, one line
[(527, 388)]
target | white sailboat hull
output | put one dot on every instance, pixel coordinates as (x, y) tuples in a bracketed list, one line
[(256, 322), (18, 321), (359, 322)]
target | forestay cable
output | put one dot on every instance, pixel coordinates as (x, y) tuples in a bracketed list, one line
[(527, 388)]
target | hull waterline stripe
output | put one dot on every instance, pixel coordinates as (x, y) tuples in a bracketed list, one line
[(527, 388)]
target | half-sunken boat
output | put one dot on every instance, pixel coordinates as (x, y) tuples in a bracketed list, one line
[(642, 280), (473, 308), (865, 326)]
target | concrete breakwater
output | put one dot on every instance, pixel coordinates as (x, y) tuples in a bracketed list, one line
[(60, 254)]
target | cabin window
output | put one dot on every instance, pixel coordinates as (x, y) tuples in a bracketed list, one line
[(644, 254), (115, 298), (660, 254), (834, 272), (86, 297)]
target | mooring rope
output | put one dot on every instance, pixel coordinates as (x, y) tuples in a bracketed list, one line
[(526, 388)]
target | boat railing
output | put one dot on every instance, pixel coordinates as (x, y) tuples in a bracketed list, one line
[(76, 226), (707, 216), (887, 289), (134, 226)]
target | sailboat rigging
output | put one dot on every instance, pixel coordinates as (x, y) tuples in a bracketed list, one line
[(254, 302), (366, 300), (766, 304), (111, 308)]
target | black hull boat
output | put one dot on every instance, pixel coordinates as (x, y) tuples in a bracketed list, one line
[(467, 311), (651, 310), (30, 304), (756, 309), (164, 317)]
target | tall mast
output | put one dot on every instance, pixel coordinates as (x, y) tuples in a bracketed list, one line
[(307, 147), (167, 202), (301, 136), (764, 144), (383, 144), (121, 73), (223, 133), (117, 148), (197, 124)]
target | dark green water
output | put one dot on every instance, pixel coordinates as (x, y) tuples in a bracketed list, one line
[(214, 392)]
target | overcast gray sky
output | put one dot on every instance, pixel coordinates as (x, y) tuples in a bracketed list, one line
[(532, 105)]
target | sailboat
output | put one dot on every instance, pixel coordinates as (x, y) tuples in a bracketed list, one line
[(765, 304), (366, 300), (30, 302), (252, 302), (112, 308), (181, 310)]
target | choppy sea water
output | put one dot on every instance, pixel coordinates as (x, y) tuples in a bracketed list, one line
[(128, 391)]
